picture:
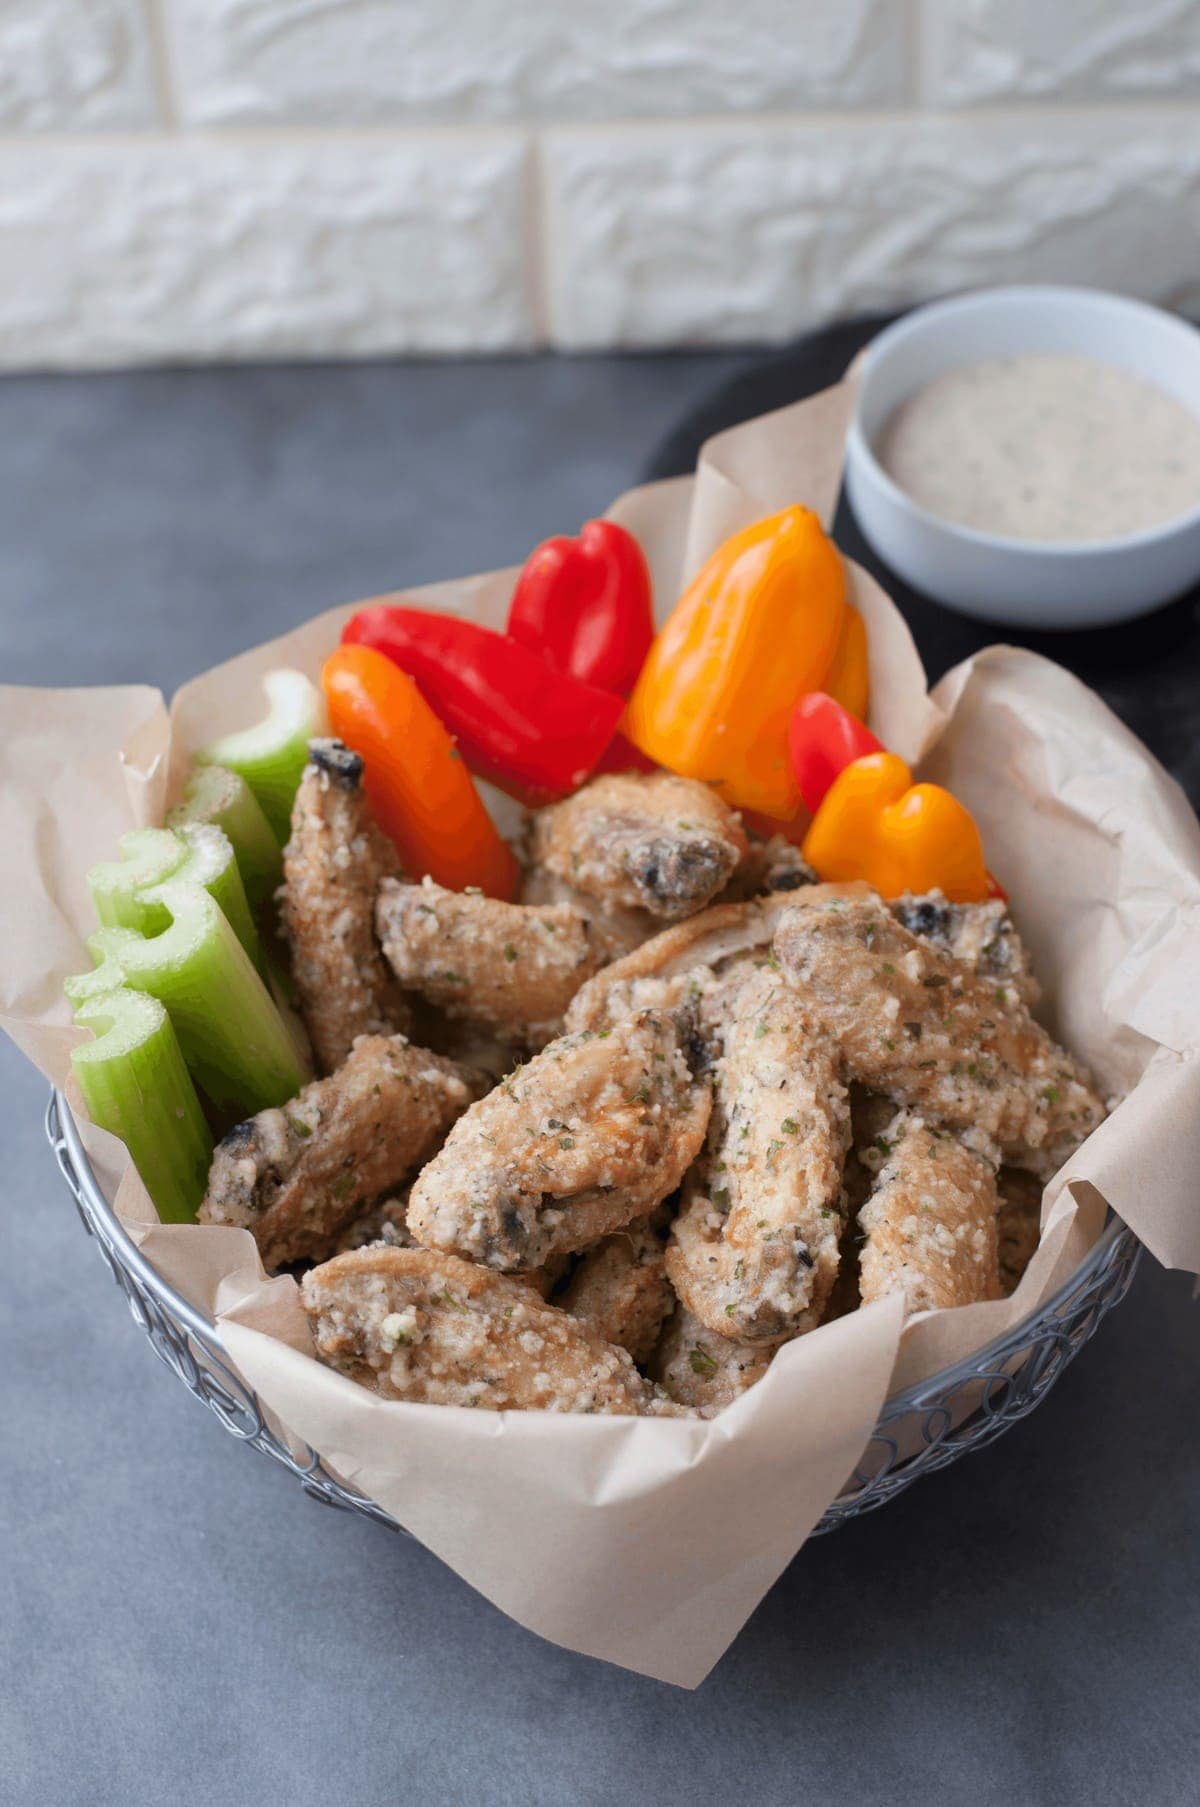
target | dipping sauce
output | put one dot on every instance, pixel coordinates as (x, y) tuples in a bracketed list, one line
[(1045, 446)]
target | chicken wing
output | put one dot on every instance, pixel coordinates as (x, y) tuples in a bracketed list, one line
[(930, 1222), (614, 930), (915, 1023), (593, 1132), (511, 969), (981, 935), (418, 1325), (644, 841), (332, 866), (696, 1368), (754, 1249), (620, 1286), (682, 963), (296, 1175)]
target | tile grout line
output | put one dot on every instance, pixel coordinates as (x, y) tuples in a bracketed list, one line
[(539, 251), (160, 61)]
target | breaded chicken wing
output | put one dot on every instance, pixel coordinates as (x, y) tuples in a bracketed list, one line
[(418, 1325), (696, 1368), (930, 1222), (1018, 1224), (593, 1132), (620, 1286), (613, 929), (915, 1023), (646, 841), (754, 1249), (682, 963), (981, 935), (510, 968), (332, 866), (295, 1176)]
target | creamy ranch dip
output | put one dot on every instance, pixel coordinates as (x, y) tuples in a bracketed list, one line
[(1045, 446)]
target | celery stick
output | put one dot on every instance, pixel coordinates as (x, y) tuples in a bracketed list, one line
[(210, 862), (135, 1085), (107, 975), (272, 754), (233, 1038), (148, 856), (124, 891), (215, 794)]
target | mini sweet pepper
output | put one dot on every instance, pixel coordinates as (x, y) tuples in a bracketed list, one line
[(535, 732), (765, 620), (823, 739), (585, 605), (420, 791), (875, 824)]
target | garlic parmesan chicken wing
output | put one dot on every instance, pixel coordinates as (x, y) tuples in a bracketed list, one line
[(681, 964), (620, 1286), (511, 969), (642, 841), (423, 1326), (295, 1176), (614, 930), (593, 1132), (911, 1021), (754, 1249), (930, 1222), (697, 1368), (981, 935), (332, 866)]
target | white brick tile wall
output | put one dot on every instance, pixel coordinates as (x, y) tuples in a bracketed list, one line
[(744, 231), (184, 179), (168, 250), (71, 63), (986, 50), (376, 61)]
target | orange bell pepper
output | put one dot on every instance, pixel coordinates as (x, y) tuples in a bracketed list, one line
[(848, 681), (875, 824), (420, 791), (760, 624)]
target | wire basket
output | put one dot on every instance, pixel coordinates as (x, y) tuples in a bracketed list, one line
[(921, 1429)]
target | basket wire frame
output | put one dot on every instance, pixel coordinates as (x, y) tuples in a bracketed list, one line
[(921, 1429)]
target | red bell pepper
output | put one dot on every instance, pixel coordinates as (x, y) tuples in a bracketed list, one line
[(823, 739), (585, 606), (534, 732)]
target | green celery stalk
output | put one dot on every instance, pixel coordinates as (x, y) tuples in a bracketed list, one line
[(213, 794), (211, 862), (125, 891), (136, 1086), (233, 1038), (107, 975), (272, 754), (148, 856)]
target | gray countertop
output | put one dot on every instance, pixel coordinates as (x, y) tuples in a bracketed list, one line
[(177, 1621)]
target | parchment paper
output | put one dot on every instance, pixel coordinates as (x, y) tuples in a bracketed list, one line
[(649, 1543)]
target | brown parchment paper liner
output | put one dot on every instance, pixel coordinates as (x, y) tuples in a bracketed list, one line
[(643, 1542)]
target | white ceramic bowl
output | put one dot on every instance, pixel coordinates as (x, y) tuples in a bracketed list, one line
[(1026, 583)]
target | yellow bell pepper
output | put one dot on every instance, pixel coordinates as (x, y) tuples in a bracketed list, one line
[(763, 622), (875, 824)]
